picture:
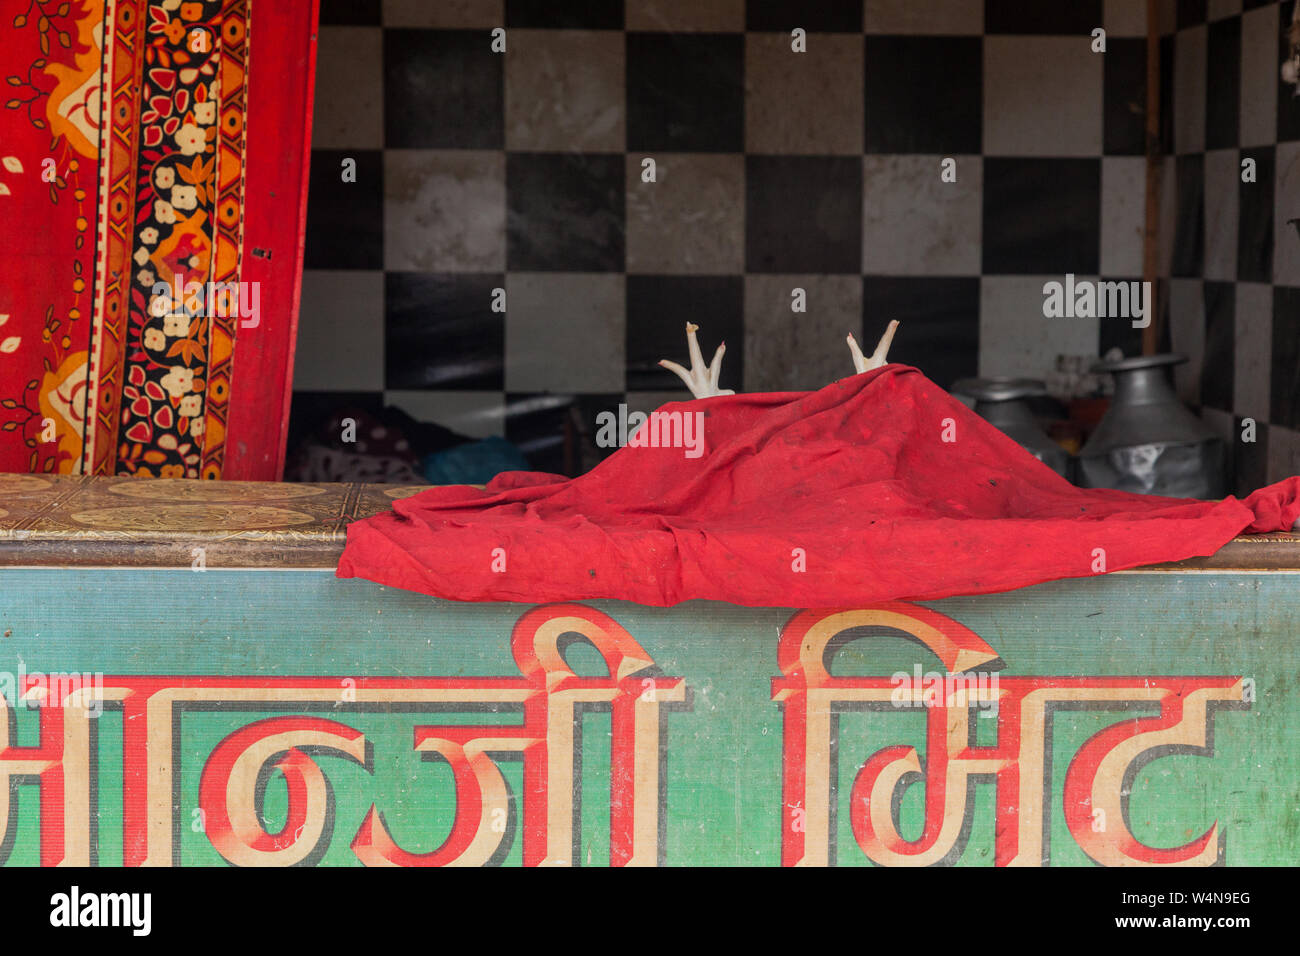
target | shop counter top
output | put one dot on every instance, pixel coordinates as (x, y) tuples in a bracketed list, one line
[(143, 522)]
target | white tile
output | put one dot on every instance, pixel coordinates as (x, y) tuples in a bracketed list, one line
[(1260, 68), (1017, 339), (684, 16), (348, 111), (1286, 205), (444, 210), (476, 414), (1283, 453), (447, 14), (914, 223), (945, 17), (691, 219), (1190, 66), (1123, 214), (1187, 333), (1125, 18), (1222, 177), (799, 351), (340, 343), (1042, 96), (1222, 9), (564, 91), (1252, 350), (565, 332), (804, 105)]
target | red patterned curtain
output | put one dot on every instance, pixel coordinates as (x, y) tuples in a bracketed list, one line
[(152, 189)]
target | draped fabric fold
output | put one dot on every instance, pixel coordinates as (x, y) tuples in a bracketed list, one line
[(877, 487)]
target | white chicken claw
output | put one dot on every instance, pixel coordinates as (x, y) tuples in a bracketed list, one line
[(880, 357), (701, 380)]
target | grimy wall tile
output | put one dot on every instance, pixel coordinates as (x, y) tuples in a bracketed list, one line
[(614, 170)]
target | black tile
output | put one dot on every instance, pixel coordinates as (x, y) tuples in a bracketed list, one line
[(440, 331), (587, 409), (1125, 65), (564, 212), (553, 430), (535, 423), (803, 214), (1117, 332), (1288, 105), (1191, 13), (1164, 324), (924, 94), (939, 330), (657, 310), (1042, 216), (814, 16), (1223, 84), (1249, 458), (1036, 16), (686, 92), (350, 12), (1217, 369), (1189, 231), (1164, 327), (1285, 386), (310, 412), (1230, 455), (345, 220), (565, 14), (1255, 218), (1167, 94), (443, 89)]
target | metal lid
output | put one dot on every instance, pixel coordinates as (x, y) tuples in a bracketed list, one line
[(1140, 361), (1000, 389)]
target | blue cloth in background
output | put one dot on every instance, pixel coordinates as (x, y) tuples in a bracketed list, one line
[(473, 463)]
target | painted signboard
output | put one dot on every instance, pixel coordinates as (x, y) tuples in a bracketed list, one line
[(289, 717)]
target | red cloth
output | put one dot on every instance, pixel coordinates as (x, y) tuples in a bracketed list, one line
[(855, 482)]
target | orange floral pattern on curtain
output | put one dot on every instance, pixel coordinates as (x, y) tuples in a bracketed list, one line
[(123, 155)]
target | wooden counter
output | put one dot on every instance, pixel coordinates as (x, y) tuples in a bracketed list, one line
[(132, 522)]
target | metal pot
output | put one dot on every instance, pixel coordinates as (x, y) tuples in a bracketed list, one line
[(1148, 441), (1001, 403)]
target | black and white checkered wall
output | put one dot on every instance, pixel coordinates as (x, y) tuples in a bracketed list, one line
[(1232, 258), (775, 170)]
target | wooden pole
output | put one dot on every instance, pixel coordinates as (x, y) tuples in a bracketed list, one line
[(1151, 236)]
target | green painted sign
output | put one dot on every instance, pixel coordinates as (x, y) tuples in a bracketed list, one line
[(1141, 718)]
